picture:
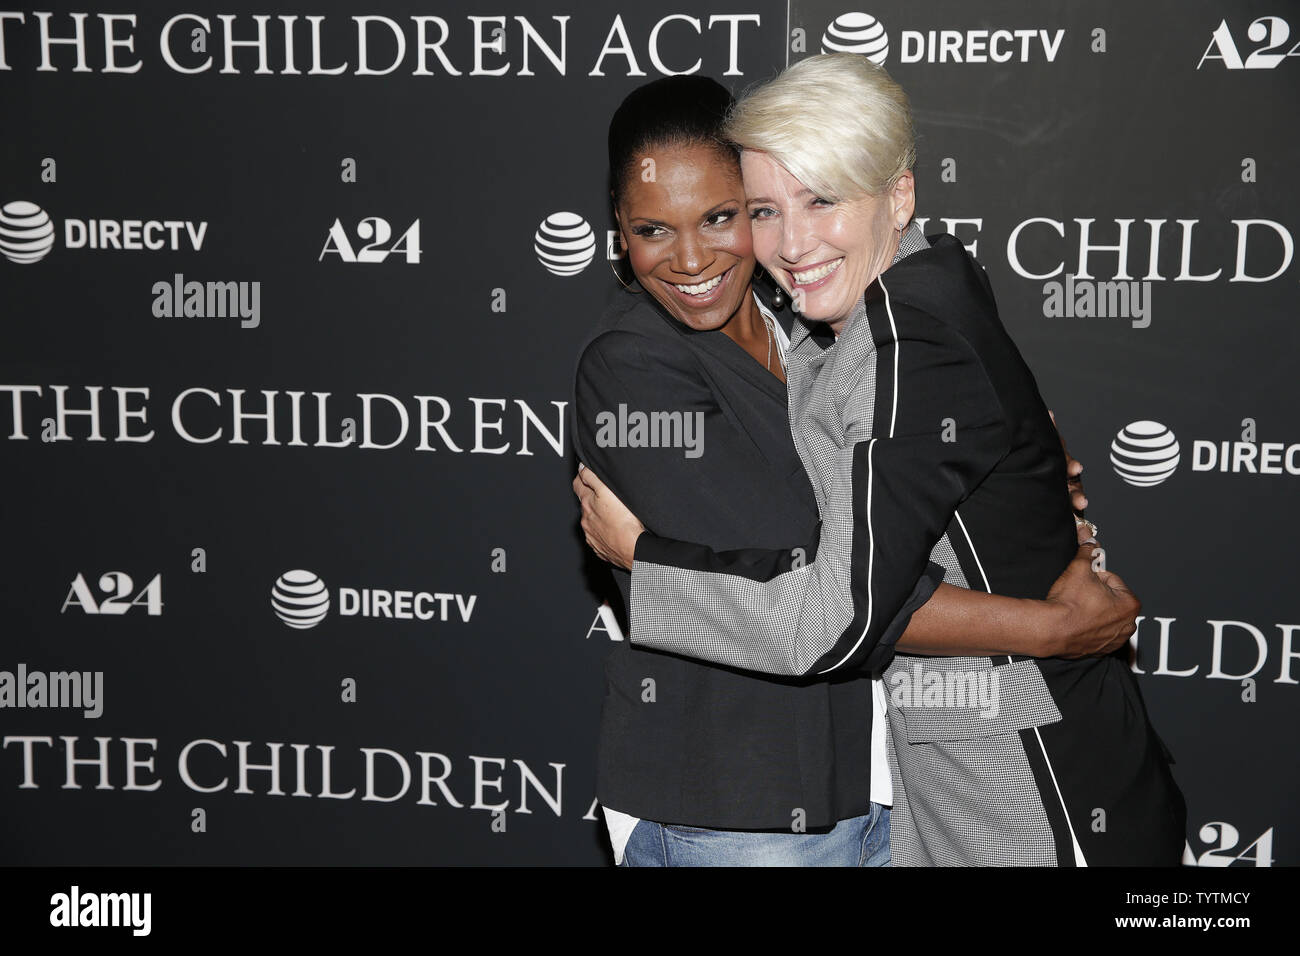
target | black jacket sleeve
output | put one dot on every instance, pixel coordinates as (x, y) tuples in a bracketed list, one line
[(623, 380)]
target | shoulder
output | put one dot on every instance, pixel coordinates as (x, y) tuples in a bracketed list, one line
[(635, 335), (932, 313), (942, 286)]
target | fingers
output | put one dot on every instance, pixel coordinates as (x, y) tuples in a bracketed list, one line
[(1074, 484), (587, 501), (586, 482), (585, 496), (591, 481), (1113, 581), (1073, 469), (1127, 602)]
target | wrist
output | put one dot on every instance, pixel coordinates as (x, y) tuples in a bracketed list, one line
[(630, 554), (1058, 628)]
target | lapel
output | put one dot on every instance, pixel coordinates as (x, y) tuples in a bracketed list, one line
[(764, 421), (721, 349)]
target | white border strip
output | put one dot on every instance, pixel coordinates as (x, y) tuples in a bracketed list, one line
[(871, 448), (1078, 850)]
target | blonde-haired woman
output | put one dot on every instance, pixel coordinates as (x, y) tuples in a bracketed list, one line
[(933, 459)]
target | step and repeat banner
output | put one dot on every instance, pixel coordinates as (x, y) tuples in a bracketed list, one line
[(291, 565)]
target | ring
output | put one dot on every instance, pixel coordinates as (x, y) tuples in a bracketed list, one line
[(1080, 522)]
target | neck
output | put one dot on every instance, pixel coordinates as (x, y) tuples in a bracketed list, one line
[(746, 323), (859, 309)]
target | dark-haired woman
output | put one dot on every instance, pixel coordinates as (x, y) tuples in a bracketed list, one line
[(680, 407)]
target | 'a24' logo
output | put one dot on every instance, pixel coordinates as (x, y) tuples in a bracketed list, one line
[(1223, 839), (1274, 30), (375, 234), (118, 586)]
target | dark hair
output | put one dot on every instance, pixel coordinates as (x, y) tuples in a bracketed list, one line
[(673, 111)]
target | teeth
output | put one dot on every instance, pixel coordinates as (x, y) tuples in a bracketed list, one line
[(812, 275), (702, 288)]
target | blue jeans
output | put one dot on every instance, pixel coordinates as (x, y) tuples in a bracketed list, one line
[(858, 841)]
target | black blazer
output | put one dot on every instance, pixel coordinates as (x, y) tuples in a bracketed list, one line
[(716, 747)]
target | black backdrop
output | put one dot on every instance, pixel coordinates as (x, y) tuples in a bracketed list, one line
[(1175, 119)]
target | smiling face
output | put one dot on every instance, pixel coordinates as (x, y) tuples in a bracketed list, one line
[(823, 253), (687, 235)]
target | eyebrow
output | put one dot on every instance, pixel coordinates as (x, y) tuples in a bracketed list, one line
[(801, 193), (711, 211)]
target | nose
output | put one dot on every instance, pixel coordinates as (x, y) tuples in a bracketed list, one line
[(797, 238), (690, 255)]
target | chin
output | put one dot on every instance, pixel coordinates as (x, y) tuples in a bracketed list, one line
[(707, 321), (819, 309)]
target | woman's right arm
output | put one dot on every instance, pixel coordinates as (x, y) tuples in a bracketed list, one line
[(1086, 613)]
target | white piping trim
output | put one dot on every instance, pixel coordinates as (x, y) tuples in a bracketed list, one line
[(1078, 850), (971, 544), (871, 561), (889, 308), (871, 448)]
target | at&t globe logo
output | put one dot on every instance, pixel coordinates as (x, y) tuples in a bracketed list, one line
[(26, 232), (300, 599), (1144, 453), (565, 244), (857, 33)]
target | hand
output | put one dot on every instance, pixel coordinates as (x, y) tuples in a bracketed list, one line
[(610, 528), (1073, 469), (1099, 611)]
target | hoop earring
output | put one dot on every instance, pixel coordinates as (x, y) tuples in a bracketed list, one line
[(614, 269)]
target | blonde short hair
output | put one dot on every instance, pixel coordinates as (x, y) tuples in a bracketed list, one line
[(837, 122)]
